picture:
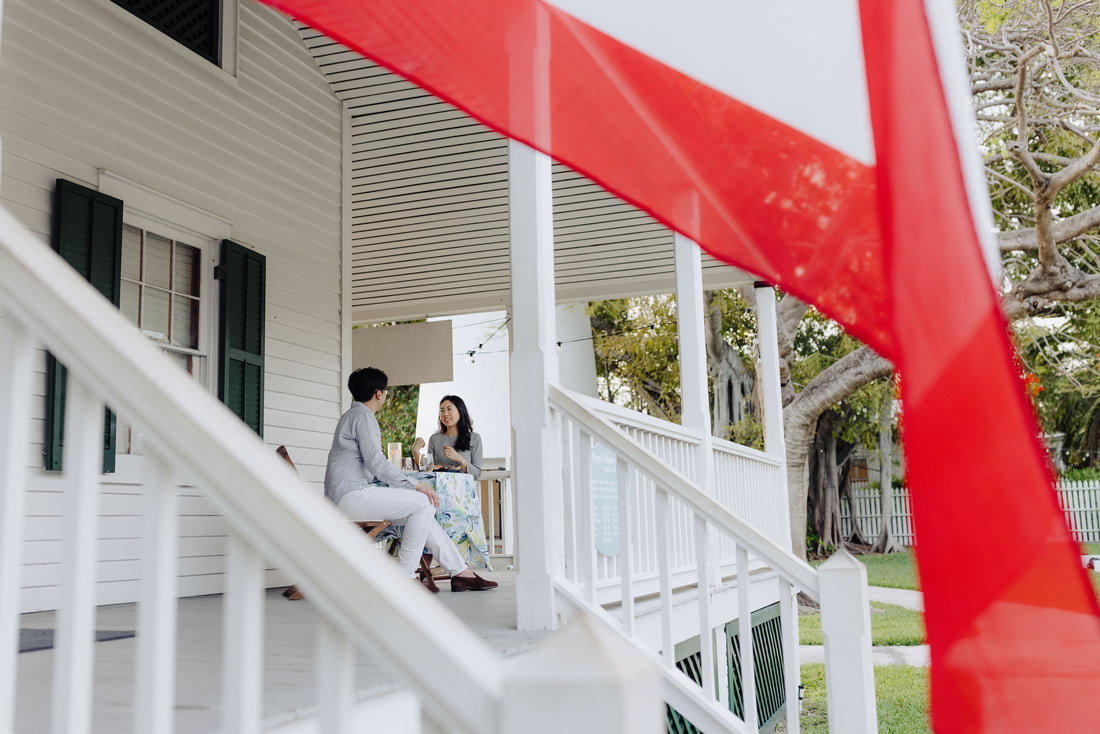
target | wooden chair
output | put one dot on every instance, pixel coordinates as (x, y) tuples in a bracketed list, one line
[(372, 528)]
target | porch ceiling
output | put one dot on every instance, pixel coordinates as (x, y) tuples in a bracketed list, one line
[(429, 208)]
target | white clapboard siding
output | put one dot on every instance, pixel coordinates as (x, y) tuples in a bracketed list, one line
[(86, 88), (429, 200)]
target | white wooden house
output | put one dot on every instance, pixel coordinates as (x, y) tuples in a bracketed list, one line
[(244, 190)]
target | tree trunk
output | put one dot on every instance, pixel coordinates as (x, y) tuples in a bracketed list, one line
[(830, 527), (800, 415), (732, 382), (855, 537), (886, 542)]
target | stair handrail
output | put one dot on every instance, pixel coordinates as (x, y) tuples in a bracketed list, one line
[(792, 569), (358, 590)]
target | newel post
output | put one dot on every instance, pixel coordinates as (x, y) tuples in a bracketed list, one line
[(846, 626), (584, 678)]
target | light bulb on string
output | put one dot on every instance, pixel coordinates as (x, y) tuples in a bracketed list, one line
[(559, 346), (470, 354)]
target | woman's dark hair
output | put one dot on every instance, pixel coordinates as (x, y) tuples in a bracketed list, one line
[(465, 423)]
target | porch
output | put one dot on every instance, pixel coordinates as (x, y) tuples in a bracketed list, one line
[(694, 512), (289, 659)]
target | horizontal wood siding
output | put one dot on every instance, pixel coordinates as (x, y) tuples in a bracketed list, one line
[(84, 88), (430, 209)]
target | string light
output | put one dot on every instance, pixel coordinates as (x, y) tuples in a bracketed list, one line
[(652, 328)]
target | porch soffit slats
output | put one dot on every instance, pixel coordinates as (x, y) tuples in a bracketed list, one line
[(429, 207)]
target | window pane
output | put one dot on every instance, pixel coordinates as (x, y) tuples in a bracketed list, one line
[(131, 252), (186, 361), (186, 270), (158, 260), (154, 315), (122, 435), (185, 322), (130, 300)]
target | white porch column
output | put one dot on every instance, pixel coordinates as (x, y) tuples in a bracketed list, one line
[(533, 365), (346, 347), (695, 410), (767, 333), (767, 337)]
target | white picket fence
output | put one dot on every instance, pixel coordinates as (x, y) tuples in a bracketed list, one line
[(1079, 500), (1081, 503)]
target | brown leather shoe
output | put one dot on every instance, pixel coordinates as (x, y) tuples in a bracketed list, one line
[(475, 584), (429, 583)]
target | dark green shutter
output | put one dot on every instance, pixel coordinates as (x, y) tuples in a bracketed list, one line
[(243, 281), (87, 232)]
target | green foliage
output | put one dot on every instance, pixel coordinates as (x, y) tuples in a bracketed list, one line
[(896, 482), (749, 432), (637, 350), (397, 418), (992, 14), (819, 343), (890, 625), (1086, 474), (1063, 354), (637, 354)]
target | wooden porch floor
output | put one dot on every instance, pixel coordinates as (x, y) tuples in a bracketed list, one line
[(289, 659)]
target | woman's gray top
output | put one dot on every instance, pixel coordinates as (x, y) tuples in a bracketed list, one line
[(472, 456)]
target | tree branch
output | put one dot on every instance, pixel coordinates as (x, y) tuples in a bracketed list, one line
[(1063, 231), (1075, 170), (1039, 291), (833, 384)]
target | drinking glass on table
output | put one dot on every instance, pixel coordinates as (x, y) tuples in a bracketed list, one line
[(426, 461)]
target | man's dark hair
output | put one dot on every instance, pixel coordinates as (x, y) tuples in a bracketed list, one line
[(365, 381)]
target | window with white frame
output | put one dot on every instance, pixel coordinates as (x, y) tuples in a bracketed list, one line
[(162, 292)]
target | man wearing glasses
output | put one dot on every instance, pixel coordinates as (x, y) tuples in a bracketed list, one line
[(366, 487)]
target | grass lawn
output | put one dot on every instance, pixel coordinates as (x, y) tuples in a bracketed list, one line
[(891, 625), (902, 694), (893, 570), (899, 570)]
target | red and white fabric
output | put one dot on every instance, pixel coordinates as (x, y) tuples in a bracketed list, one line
[(817, 146)]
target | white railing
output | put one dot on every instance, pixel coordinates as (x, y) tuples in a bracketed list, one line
[(748, 482), (498, 512), (653, 500), (362, 598), (754, 487)]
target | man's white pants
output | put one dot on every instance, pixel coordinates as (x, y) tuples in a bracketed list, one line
[(412, 509)]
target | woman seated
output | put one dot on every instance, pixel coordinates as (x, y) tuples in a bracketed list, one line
[(455, 446)]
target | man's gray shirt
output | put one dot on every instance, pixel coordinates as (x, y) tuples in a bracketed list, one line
[(356, 458)]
